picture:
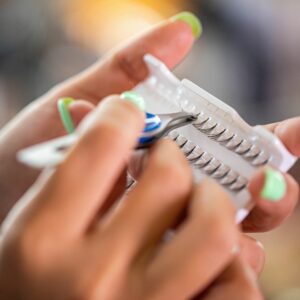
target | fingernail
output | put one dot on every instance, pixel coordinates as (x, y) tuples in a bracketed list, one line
[(134, 98), (274, 187), (192, 20), (63, 109)]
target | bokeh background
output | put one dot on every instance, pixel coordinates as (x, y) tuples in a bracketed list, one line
[(249, 56)]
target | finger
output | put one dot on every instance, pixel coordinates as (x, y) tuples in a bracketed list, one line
[(201, 248), (169, 41), (154, 204), (79, 109), (80, 185), (271, 208), (288, 132), (253, 253), (237, 282), (116, 195)]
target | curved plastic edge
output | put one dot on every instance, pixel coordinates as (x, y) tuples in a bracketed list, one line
[(241, 215), (157, 67)]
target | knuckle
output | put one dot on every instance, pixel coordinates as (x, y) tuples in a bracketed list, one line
[(132, 67)]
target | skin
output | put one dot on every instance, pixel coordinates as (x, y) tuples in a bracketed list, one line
[(57, 246), (70, 236)]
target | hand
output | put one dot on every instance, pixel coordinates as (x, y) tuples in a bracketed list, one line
[(70, 236), (269, 214), (119, 71)]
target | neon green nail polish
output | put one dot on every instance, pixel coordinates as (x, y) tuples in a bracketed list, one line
[(275, 186), (63, 109), (191, 20), (134, 98)]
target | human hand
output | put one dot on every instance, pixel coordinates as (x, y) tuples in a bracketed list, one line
[(270, 213), (71, 237), (118, 71), (270, 210), (274, 194)]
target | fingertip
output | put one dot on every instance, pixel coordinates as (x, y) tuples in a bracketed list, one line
[(179, 39), (191, 20), (288, 131), (266, 215), (135, 99), (269, 185), (120, 120), (169, 41), (64, 112), (253, 252), (79, 109)]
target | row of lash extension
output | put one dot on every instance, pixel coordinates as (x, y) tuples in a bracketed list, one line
[(230, 140), (208, 164)]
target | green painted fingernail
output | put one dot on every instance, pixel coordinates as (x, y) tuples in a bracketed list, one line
[(275, 186), (63, 109), (191, 20), (134, 98)]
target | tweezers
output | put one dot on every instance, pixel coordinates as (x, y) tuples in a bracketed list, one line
[(53, 152)]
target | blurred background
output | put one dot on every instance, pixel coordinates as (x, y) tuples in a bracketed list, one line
[(249, 56)]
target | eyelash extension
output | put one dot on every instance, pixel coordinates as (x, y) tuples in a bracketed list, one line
[(230, 140), (209, 165)]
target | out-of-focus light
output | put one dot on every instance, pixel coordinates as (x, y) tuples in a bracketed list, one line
[(101, 24)]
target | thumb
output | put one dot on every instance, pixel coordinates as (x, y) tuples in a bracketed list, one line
[(275, 196)]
